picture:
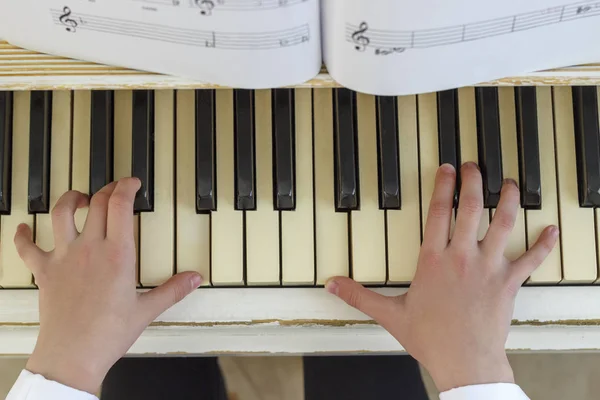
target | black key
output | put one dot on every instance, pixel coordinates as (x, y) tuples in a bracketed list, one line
[(529, 148), (346, 150), (39, 152), (101, 148), (488, 143), (587, 143), (6, 123), (142, 161), (389, 159), (206, 197), (449, 133), (284, 133), (245, 182)]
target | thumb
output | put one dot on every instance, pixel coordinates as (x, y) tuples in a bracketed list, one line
[(375, 305), (160, 299)]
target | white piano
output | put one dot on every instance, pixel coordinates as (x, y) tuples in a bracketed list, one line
[(265, 267)]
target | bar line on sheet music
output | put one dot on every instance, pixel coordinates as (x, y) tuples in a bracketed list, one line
[(385, 42), (218, 40)]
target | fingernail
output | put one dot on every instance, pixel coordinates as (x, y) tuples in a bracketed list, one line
[(471, 164), (332, 287), (510, 181), (448, 168), (554, 231), (196, 280)]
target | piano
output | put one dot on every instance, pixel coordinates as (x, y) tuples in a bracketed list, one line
[(268, 193)]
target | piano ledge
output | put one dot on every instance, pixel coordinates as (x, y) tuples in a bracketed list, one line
[(310, 321), (22, 69)]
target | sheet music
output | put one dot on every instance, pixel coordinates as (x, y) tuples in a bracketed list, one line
[(406, 47), (240, 43)]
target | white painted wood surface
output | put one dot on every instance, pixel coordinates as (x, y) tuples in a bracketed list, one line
[(22, 69), (301, 321)]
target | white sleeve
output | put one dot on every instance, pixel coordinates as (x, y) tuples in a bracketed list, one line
[(494, 391), (36, 387)]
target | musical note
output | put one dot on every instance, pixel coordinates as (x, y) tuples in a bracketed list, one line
[(359, 38), (67, 21), (206, 6), (209, 7), (212, 43), (269, 40), (386, 42), (387, 52)]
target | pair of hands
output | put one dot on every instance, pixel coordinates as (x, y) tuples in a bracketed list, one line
[(454, 319)]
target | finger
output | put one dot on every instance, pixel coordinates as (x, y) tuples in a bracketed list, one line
[(437, 228), (95, 224), (375, 305), (120, 209), (30, 253), (63, 217), (470, 207), (160, 299), (523, 267), (502, 224)]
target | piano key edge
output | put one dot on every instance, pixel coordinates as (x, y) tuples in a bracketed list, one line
[(304, 321)]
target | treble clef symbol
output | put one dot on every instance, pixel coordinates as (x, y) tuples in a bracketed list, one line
[(360, 40), (66, 20), (206, 6)]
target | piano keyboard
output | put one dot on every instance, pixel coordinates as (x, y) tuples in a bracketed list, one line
[(292, 186)]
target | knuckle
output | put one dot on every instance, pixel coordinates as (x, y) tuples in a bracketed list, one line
[(439, 209), (117, 255), (178, 293), (61, 210), (471, 205), (120, 202), (100, 199), (354, 299), (85, 253), (432, 258), (504, 220)]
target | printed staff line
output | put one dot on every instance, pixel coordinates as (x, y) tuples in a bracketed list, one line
[(274, 44), (211, 39), (205, 35), (89, 18), (388, 42)]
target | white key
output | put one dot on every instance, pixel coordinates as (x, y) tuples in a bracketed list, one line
[(468, 141), (80, 168), (193, 229), (517, 242), (227, 223), (60, 164), (576, 223), (123, 155), (404, 226), (331, 227), (297, 227), (368, 224), (262, 225), (428, 149), (14, 273), (157, 233), (537, 220)]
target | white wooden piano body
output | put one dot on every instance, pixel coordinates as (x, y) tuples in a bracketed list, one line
[(282, 320)]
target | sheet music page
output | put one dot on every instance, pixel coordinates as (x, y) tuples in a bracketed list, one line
[(394, 47), (239, 43)]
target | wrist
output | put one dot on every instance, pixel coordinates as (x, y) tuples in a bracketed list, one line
[(66, 371), (481, 372)]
